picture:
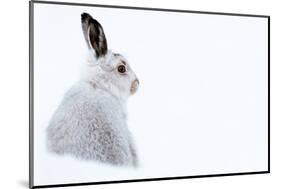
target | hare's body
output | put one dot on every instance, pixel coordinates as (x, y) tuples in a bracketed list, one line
[(91, 121), (94, 127)]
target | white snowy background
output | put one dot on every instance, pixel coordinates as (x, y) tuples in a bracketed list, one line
[(202, 103)]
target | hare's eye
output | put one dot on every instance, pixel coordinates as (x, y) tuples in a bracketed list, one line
[(121, 69)]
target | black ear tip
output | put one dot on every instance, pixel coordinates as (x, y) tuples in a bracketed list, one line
[(85, 17)]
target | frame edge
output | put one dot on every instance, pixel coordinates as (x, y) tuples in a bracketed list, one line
[(268, 33), (151, 9), (31, 141)]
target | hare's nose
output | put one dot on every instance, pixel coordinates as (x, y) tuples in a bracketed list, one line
[(134, 86)]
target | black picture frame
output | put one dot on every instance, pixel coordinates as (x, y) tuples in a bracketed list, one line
[(31, 90)]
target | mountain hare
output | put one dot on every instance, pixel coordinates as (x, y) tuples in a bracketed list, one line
[(90, 122)]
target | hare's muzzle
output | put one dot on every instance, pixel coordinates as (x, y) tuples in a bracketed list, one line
[(134, 86)]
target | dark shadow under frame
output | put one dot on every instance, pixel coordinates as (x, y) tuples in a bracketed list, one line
[(31, 90)]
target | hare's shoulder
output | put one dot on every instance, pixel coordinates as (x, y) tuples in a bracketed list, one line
[(85, 100)]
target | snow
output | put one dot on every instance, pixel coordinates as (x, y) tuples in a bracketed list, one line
[(202, 103)]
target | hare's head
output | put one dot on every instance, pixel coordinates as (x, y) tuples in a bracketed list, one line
[(106, 69)]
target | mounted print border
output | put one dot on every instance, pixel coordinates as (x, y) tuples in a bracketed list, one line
[(31, 93)]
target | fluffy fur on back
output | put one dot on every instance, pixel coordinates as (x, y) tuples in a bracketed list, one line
[(91, 121)]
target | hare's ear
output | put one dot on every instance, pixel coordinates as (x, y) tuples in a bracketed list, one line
[(94, 35)]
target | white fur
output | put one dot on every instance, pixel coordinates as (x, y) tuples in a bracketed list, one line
[(91, 121)]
